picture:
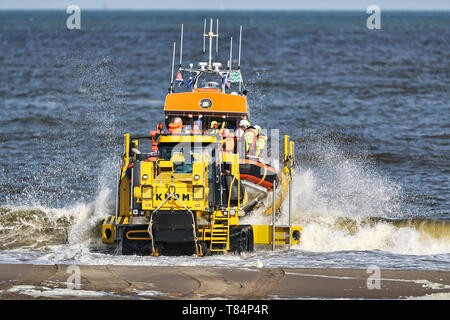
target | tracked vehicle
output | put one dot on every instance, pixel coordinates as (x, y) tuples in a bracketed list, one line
[(186, 192)]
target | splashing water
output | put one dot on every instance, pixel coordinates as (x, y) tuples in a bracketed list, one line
[(345, 204), (345, 208)]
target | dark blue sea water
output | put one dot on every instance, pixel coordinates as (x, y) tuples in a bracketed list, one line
[(368, 110)]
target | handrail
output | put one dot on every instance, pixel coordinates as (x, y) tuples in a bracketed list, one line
[(273, 214), (287, 174), (174, 196), (229, 195)]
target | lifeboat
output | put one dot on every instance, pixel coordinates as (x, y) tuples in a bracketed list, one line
[(185, 190), (257, 173), (217, 95), (257, 178)]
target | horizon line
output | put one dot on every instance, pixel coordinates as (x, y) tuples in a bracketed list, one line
[(230, 9)]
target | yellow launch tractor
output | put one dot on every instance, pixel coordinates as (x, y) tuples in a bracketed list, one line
[(185, 192)]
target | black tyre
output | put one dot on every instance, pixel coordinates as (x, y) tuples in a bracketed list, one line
[(241, 239)]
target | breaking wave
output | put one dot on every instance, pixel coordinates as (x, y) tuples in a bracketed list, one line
[(38, 227), (343, 205), (346, 204)]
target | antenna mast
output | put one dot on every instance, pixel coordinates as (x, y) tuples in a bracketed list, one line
[(173, 62), (181, 46), (210, 42), (231, 51), (217, 36), (210, 35), (204, 36), (240, 41), (239, 59)]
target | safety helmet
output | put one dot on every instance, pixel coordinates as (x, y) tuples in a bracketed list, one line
[(177, 120), (258, 128), (244, 123)]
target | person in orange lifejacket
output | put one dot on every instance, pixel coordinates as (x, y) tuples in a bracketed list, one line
[(228, 144), (154, 134), (261, 142), (250, 137), (176, 126)]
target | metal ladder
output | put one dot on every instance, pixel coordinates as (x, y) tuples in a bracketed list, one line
[(220, 232), (278, 238)]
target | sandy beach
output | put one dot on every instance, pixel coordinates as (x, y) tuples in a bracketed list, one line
[(26, 281)]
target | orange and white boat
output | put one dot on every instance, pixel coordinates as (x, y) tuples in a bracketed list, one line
[(216, 94)]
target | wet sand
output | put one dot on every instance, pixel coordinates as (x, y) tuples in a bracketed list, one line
[(23, 281)]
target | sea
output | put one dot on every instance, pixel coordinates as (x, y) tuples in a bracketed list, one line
[(368, 110)]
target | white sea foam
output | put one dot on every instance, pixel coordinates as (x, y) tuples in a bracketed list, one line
[(336, 207), (340, 207), (37, 292), (431, 296)]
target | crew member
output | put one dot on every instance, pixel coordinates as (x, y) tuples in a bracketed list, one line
[(250, 137), (261, 142), (239, 137), (176, 126), (187, 129), (228, 144), (214, 130), (243, 124), (196, 128), (154, 134)]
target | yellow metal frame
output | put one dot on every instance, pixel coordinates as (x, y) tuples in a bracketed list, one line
[(150, 194), (109, 223), (263, 234)]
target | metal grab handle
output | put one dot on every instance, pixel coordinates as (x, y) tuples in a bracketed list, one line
[(149, 229), (273, 214)]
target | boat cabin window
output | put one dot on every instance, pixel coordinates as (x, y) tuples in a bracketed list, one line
[(141, 148), (204, 123), (209, 81), (211, 85), (184, 154)]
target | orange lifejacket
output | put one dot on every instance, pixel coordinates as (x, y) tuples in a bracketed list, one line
[(228, 141), (250, 137), (260, 145), (175, 128), (154, 142)]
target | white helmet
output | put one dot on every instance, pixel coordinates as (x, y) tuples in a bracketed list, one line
[(244, 123), (258, 128)]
